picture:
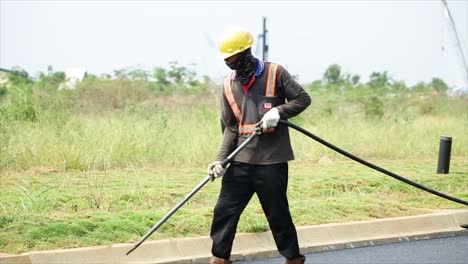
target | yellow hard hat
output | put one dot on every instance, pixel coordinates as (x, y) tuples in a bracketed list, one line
[(233, 41)]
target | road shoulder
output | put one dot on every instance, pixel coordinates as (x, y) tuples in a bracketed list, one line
[(315, 238)]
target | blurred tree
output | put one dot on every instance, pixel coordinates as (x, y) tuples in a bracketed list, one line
[(134, 74), (121, 73), (379, 80), (333, 74), (192, 79), (399, 85), (355, 79), (91, 77), (19, 76), (439, 85), (177, 73), (182, 75), (51, 79), (419, 87), (105, 76), (138, 74), (160, 75)]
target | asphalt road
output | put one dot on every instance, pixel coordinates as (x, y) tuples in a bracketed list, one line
[(453, 250)]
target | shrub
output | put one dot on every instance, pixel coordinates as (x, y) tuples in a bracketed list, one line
[(373, 107)]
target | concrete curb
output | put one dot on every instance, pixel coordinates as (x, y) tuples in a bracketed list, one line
[(249, 246)]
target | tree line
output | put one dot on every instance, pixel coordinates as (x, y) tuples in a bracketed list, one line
[(180, 77), (334, 77)]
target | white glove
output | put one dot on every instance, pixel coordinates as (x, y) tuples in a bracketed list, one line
[(216, 170), (270, 119)]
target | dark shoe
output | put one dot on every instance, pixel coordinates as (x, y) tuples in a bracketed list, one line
[(215, 260), (300, 260)]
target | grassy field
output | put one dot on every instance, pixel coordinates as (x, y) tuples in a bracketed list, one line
[(185, 131), (104, 163), (42, 209)]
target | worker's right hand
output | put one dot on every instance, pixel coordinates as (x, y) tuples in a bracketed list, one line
[(216, 170)]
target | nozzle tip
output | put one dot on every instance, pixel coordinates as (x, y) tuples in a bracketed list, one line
[(130, 251)]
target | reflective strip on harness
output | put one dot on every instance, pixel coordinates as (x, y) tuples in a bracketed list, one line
[(250, 128), (247, 129), (231, 100), (271, 80)]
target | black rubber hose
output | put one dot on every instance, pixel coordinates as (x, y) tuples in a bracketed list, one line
[(375, 167)]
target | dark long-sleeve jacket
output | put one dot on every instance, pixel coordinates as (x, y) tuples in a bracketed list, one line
[(241, 109)]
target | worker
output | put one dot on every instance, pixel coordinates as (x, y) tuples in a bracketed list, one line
[(256, 95)]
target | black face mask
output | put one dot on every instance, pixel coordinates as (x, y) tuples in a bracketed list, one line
[(245, 66)]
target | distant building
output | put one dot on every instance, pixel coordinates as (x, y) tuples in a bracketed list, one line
[(72, 77)]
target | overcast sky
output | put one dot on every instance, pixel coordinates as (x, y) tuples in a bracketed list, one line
[(411, 40)]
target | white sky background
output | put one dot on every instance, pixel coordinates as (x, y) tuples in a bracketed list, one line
[(404, 38)]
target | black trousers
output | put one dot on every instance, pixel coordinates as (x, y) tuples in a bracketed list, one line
[(239, 183)]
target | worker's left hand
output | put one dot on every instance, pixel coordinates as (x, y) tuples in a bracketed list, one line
[(270, 119)]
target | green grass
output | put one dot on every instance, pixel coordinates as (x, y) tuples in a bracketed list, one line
[(184, 131), (150, 134), (42, 209)]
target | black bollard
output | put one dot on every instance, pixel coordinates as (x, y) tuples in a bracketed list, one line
[(444, 155)]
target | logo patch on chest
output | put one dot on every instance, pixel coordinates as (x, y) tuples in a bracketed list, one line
[(267, 105)]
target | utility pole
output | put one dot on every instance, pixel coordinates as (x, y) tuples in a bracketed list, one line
[(264, 44)]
